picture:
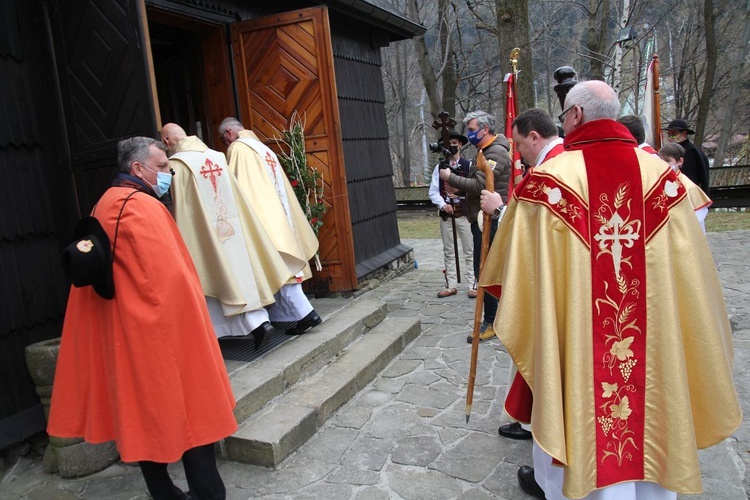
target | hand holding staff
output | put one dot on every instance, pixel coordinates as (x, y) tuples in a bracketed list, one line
[(484, 166)]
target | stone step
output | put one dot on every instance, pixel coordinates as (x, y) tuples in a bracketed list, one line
[(257, 383), (270, 435)]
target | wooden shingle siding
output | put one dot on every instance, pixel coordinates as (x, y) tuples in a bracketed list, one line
[(38, 210), (364, 130)]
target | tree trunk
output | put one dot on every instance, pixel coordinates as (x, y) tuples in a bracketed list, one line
[(513, 31), (617, 73), (402, 87), (734, 91), (708, 83), (448, 70), (597, 37), (425, 66)]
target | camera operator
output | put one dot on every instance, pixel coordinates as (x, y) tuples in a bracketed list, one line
[(452, 204), (480, 128)]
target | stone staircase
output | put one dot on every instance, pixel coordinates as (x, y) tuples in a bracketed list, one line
[(284, 397)]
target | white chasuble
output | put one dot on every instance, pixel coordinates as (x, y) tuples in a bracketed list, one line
[(211, 174), (274, 171)]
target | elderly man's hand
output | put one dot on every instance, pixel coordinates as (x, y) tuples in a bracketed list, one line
[(448, 209), (490, 201), (445, 173)]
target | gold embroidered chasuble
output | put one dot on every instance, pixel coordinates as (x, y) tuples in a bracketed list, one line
[(236, 261), (611, 308), (698, 199), (296, 240)]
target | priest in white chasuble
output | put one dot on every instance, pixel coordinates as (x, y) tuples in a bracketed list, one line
[(611, 307), (238, 265), (262, 179)]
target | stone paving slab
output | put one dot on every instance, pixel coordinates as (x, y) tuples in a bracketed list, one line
[(392, 442)]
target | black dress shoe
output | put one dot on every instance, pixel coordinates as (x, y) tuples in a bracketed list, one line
[(514, 431), (260, 333), (527, 482), (310, 321)]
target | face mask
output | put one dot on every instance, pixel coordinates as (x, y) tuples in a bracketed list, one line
[(472, 136), (453, 150), (163, 181)]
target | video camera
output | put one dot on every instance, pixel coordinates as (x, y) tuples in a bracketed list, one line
[(437, 147)]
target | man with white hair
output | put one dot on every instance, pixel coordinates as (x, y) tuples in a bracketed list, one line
[(267, 188), (630, 375)]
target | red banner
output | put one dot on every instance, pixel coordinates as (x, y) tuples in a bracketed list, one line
[(510, 115)]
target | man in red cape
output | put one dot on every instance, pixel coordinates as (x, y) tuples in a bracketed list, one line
[(143, 368), (630, 374)]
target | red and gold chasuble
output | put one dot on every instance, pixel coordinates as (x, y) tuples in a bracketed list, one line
[(627, 369)]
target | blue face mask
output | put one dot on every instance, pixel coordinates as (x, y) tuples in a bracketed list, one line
[(472, 136), (163, 181)]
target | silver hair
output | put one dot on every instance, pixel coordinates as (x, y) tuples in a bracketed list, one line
[(230, 123), (595, 105), (483, 119), (135, 149)]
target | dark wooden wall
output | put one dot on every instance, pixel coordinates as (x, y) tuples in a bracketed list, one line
[(361, 95), (38, 209)]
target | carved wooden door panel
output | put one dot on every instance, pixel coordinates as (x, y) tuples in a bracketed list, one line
[(102, 60), (283, 64)]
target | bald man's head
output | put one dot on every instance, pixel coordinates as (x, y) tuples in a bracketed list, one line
[(171, 134)]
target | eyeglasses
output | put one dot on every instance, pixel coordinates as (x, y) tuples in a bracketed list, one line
[(561, 116)]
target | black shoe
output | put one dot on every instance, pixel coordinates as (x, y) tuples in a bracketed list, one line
[(310, 321), (260, 333), (514, 431), (527, 482)]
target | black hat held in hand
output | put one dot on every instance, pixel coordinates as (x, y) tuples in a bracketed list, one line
[(88, 260)]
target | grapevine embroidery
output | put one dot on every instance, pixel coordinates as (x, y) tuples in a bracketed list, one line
[(617, 309)]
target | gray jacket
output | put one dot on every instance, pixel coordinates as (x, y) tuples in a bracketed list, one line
[(472, 185)]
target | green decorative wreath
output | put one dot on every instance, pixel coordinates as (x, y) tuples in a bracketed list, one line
[(305, 180)]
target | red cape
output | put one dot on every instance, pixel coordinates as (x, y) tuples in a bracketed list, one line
[(143, 369)]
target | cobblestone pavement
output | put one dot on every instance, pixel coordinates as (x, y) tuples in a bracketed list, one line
[(405, 436)]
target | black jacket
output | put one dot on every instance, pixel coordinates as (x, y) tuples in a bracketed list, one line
[(695, 165)]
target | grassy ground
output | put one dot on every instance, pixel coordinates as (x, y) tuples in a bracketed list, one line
[(426, 226)]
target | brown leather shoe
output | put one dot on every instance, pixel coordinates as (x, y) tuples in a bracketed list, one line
[(447, 292), (472, 293)]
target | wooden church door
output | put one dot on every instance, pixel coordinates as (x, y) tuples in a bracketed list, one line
[(283, 64), (104, 84)]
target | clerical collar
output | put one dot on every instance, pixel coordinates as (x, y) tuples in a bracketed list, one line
[(543, 153)]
